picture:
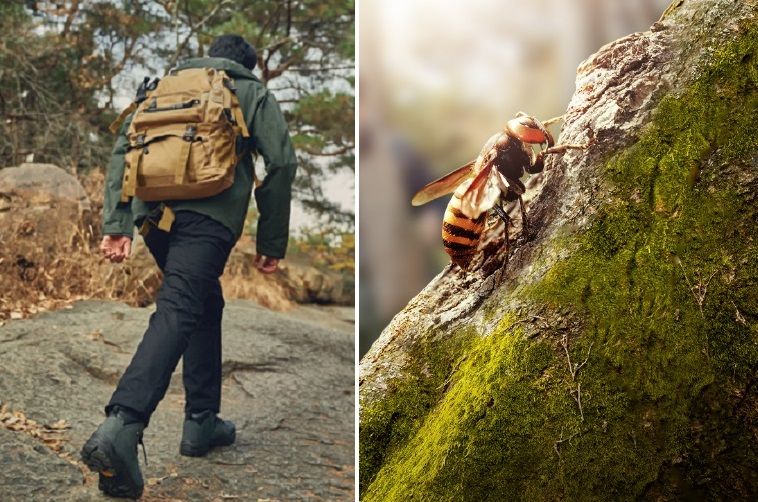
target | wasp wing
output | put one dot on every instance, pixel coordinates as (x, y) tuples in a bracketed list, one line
[(443, 186), (482, 194)]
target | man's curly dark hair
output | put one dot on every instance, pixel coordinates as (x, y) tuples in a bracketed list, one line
[(236, 48)]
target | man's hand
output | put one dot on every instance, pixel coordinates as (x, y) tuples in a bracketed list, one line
[(266, 264), (116, 248)]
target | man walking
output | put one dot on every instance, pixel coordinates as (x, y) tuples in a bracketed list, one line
[(191, 250)]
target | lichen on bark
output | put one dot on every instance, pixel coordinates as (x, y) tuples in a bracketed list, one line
[(628, 368)]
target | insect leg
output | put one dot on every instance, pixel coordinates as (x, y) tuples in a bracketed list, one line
[(507, 219), (552, 120), (538, 164), (563, 148), (525, 223)]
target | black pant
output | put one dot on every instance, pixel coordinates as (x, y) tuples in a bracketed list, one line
[(187, 319)]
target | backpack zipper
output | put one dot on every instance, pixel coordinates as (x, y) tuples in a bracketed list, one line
[(178, 106)]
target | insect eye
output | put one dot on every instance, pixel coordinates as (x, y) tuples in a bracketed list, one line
[(528, 130)]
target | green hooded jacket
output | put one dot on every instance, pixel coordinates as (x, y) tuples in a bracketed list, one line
[(269, 138)]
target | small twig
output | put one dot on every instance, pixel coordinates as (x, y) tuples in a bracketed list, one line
[(574, 368), (452, 372), (564, 343), (561, 440), (573, 371), (698, 290), (738, 316), (577, 395)]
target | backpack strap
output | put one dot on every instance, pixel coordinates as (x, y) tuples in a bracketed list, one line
[(164, 223), (232, 103), (167, 218), (184, 154), (129, 182), (239, 118), (116, 124), (181, 166)]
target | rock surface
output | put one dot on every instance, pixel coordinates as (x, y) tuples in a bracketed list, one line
[(615, 357), (288, 386)]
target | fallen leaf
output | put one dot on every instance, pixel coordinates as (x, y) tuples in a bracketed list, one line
[(59, 425)]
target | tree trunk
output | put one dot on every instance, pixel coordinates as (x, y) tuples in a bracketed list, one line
[(617, 355)]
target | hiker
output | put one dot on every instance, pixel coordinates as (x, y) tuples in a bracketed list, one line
[(190, 234)]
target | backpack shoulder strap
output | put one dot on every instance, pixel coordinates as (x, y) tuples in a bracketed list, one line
[(239, 118), (116, 124), (233, 104)]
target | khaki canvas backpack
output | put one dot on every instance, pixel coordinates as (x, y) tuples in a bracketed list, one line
[(182, 138)]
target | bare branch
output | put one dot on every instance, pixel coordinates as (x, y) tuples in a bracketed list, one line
[(193, 29)]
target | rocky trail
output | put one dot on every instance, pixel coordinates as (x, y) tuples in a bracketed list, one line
[(288, 386)]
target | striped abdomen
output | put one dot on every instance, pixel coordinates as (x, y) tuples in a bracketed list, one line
[(461, 234)]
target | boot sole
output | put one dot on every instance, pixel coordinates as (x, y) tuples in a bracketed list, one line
[(188, 449), (99, 457)]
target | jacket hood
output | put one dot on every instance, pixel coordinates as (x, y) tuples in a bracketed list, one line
[(232, 68)]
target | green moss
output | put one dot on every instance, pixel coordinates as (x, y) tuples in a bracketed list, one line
[(387, 424), (663, 285), (462, 441)]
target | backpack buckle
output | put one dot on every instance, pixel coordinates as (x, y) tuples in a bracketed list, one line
[(229, 85), (145, 87), (189, 134), (140, 141), (142, 90)]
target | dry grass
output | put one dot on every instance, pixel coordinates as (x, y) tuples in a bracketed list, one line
[(242, 280), (49, 258)]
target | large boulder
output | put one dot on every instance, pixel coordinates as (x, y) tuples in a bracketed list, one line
[(41, 205), (295, 282), (309, 284), (44, 186)]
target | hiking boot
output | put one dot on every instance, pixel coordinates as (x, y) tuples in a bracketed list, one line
[(112, 452), (203, 431)]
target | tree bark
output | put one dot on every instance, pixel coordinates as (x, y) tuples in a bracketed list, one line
[(617, 355)]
